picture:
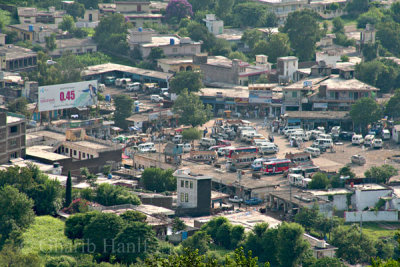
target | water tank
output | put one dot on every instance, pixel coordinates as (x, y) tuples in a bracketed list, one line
[(56, 164), (109, 176), (136, 108), (140, 29), (30, 27), (108, 98), (171, 41)]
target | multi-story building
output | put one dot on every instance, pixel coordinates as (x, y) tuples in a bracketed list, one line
[(12, 136), (214, 25), (287, 67), (74, 46), (194, 193), (16, 58), (30, 15), (35, 33)]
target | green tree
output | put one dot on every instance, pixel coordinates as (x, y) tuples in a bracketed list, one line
[(18, 105), (364, 112), (102, 229), (395, 8), (47, 197), (319, 181), (307, 217), (68, 190), (221, 48), (388, 35), (291, 245), (277, 46), (11, 255), (90, 3), (252, 14), (111, 33), (369, 51), (191, 134), (382, 174), (123, 110), (16, 212), (238, 55), (328, 262), (356, 7), (177, 10), (199, 241), (67, 24), (50, 42), (76, 10), (156, 53), (178, 225), (191, 109), (224, 8), (109, 195), (393, 105), (156, 179), (133, 216), (373, 17), (61, 261), (251, 36), (303, 30), (75, 224), (136, 240), (199, 32), (338, 25), (190, 80), (352, 246)]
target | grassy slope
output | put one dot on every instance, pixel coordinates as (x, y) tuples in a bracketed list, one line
[(46, 237), (380, 230)]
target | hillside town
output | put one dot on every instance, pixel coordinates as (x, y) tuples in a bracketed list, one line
[(200, 133)]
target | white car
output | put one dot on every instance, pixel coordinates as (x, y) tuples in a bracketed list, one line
[(187, 147), (156, 98)]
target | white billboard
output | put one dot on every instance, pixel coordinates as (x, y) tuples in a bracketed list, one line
[(67, 95)]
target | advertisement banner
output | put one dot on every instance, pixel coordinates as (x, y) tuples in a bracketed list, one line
[(260, 96), (67, 95)]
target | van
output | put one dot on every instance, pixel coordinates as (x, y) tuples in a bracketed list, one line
[(313, 151), (177, 139), (269, 149), (324, 143), (223, 150), (247, 134), (369, 139), (133, 87), (298, 135), (357, 139), (156, 98), (324, 136), (146, 148), (207, 142), (377, 143), (249, 138), (385, 134), (291, 131), (284, 130), (187, 147)]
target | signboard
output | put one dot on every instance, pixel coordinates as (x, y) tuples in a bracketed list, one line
[(320, 105), (67, 95), (241, 100), (260, 96), (307, 83)]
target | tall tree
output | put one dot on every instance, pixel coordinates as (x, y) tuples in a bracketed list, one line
[(177, 10), (356, 7), (90, 3), (251, 36), (364, 112), (319, 181), (291, 245), (303, 30), (253, 14), (111, 33), (50, 42), (109, 195), (381, 174), (191, 110), (76, 10), (190, 80), (276, 46), (224, 7), (338, 25), (191, 134), (156, 179), (68, 190), (67, 24), (123, 109), (393, 105)]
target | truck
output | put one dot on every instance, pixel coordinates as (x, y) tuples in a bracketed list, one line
[(253, 201), (236, 199)]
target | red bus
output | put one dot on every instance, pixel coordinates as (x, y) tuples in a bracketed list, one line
[(239, 150), (276, 166)]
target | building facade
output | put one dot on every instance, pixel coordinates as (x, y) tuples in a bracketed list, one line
[(12, 137)]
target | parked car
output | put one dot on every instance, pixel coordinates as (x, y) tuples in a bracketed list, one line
[(313, 151), (187, 147), (357, 139), (207, 142), (346, 136), (385, 134), (253, 201), (133, 87), (177, 139), (156, 98), (358, 159), (236, 199), (377, 143), (369, 139)]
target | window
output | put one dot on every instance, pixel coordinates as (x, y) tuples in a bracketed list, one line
[(174, 50), (332, 94), (182, 197), (351, 95), (83, 155), (186, 184), (74, 152), (182, 183), (66, 150), (13, 142), (13, 129), (193, 49), (191, 184), (294, 94), (186, 197)]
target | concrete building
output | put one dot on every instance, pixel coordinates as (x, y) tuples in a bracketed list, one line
[(214, 25), (133, 6), (90, 19), (16, 59), (282, 8), (35, 33), (367, 36), (396, 133), (338, 196), (174, 65), (172, 45), (74, 46), (12, 137), (287, 67), (140, 20), (194, 193), (31, 15), (367, 195)]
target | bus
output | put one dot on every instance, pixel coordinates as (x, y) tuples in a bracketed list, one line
[(243, 160), (276, 166), (239, 150)]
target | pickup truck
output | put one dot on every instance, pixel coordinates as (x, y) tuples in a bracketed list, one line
[(253, 201), (235, 199)]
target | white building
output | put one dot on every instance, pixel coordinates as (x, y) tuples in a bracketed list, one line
[(214, 25), (90, 19), (367, 195), (287, 67)]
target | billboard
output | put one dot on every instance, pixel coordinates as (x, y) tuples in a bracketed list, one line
[(260, 96), (67, 95)]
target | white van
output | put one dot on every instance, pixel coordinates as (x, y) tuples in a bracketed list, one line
[(357, 139), (250, 138), (187, 147), (156, 98), (369, 139), (385, 134), (133, 87), (284, 130), (298, 135), (146, 148), (377, 143), (207, 142), (247, 134), (269, 149), (324, 143), (324, 136), (291, 131), (313, 151), (177, 139)]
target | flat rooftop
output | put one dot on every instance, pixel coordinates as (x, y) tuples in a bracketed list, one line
[(47, 134), (333, 115), (300, 84), (12, 52), (212, 92), (165, 41), (36, 27), (175, 61), (370, 187), (111, 67), (333, 191), (89, 144), (44, 152), (335, 83), (73, 42), (12, 119)]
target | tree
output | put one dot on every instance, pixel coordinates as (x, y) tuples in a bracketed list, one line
[(356, 7), (123, 110), (393, 105), (395, 8), (352, 246), (238, 55), (90, 3), (197, 32), (158, 180), (199, 241), (109, 195), (319, 181), (76, 10), (111, 33), (137, 240), (307, 217), (277, 46), (177, 10), (156, 53), (75, 224), (224, 7), (99, 234), (191, 109), (328, 262), (178, 225), (47, 197), (364, 112), (373, 17), (190, 80), (381, 174), (68, 190), (133, 216), (91, 178), (67, 24), (251, 36), (252, 14), (191, 134), (388, 35), (19, 105), (16, 212), (338, 25), (11, 255), (291, 245), (369, 51), (221, 48), (50, 42), (303, 30)]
